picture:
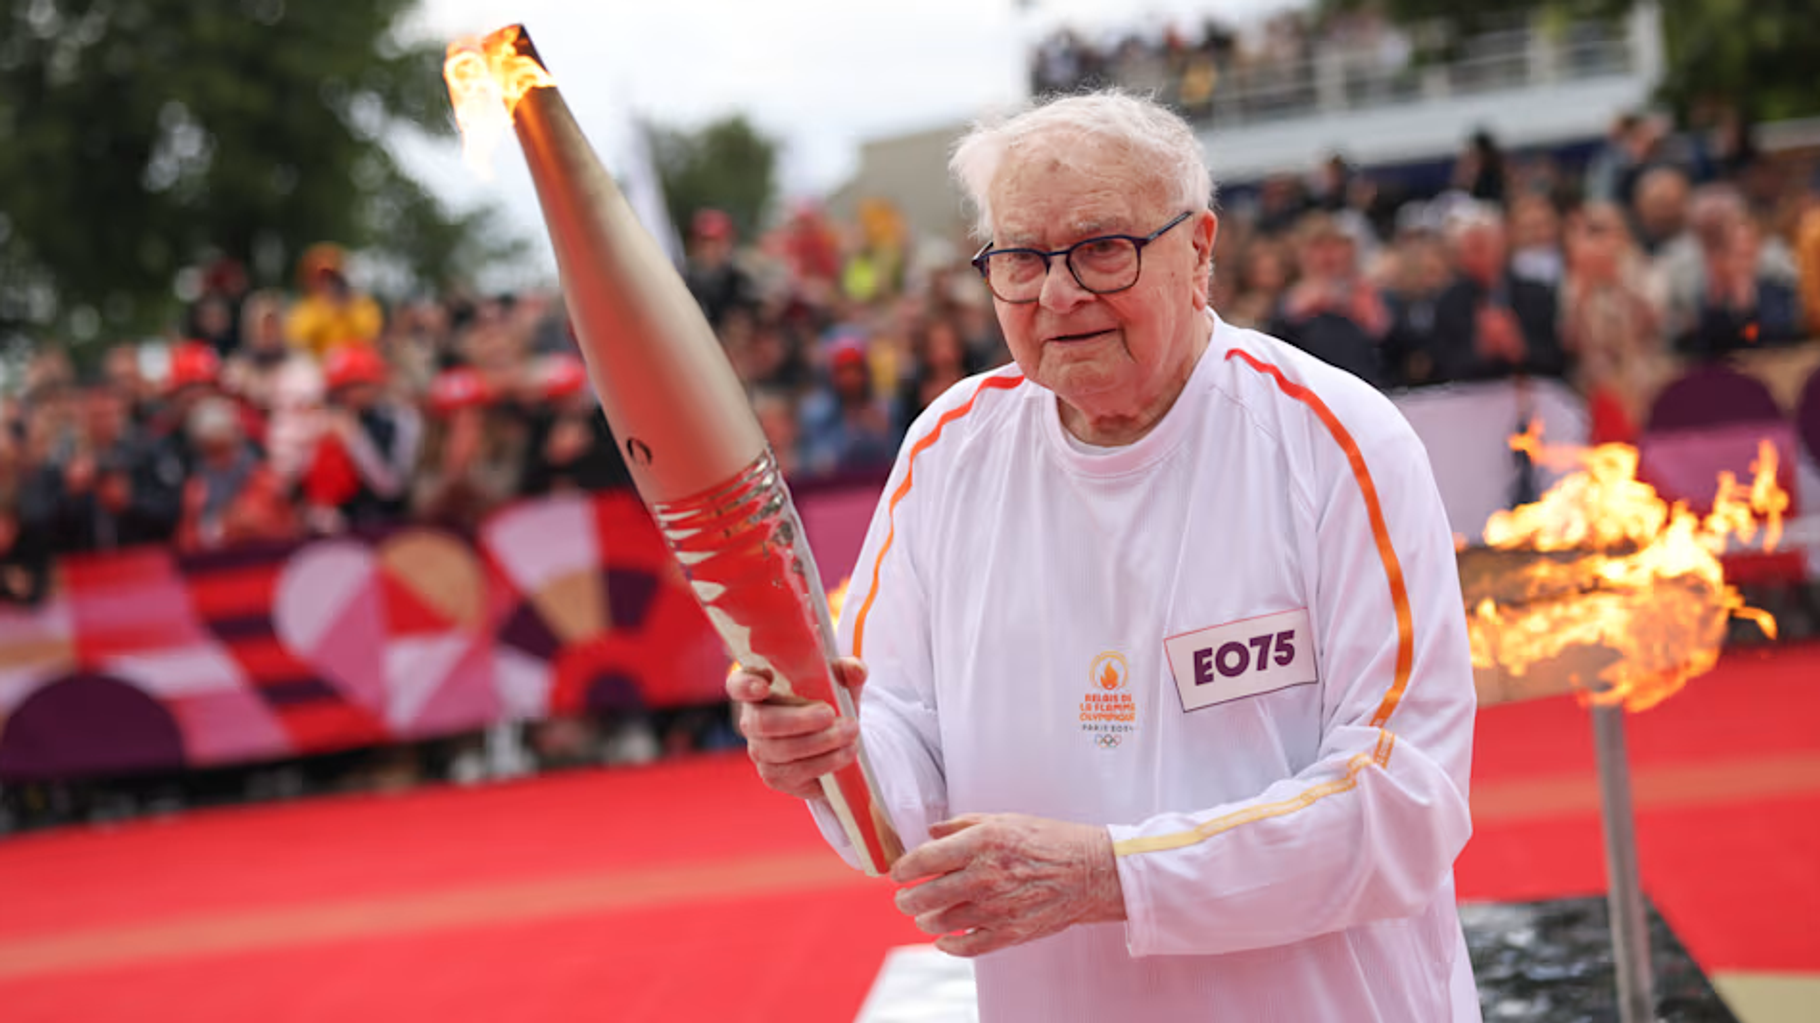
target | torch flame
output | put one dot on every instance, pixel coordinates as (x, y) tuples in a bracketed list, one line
[(487, 76), (1628, 574)]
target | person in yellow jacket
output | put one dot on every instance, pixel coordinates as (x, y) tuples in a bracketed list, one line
[(330, 313)]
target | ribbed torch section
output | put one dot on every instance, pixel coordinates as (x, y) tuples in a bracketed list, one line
[(696, 452), (743, 549)]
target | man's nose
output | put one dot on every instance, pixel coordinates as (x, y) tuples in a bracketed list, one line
[(1061, 292)]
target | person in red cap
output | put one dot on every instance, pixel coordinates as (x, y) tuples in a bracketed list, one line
[(714, 276), (331, 312), (571, 446), (360, 472), (847, 425), (194, 373), (473, 454)]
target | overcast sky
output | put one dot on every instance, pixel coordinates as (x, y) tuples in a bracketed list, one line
[(820, 76)]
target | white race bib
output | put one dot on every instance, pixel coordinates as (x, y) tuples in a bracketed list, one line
[(1243, 658)]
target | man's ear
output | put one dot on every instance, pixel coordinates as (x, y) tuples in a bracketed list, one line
[(1205, 232)]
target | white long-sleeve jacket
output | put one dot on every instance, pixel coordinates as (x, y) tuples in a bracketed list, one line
[(1237, 643)]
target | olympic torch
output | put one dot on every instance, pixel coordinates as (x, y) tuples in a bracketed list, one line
[(695, 450)]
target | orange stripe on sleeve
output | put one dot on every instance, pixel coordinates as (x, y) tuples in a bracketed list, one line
[(1306, 798), (1393, 569), (1002, 383)]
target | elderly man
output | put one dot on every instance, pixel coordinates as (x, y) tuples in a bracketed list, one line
[(1169, 693)]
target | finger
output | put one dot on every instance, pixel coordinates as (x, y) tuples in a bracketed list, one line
[(976, 942), (770, 721), (785, 751), (938, 894), (952, 920), (955, 825), (749, 685), (800, 776), (941, 856)]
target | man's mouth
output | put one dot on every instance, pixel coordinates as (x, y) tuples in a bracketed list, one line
[(1091, 335)]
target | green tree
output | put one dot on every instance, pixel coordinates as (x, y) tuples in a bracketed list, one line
[(1758, 55), (139, 136), (728, 165)]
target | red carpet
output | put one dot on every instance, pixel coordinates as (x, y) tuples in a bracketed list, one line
[(686, 892)]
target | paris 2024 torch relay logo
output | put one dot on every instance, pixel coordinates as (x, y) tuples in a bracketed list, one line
[(1108, 710)]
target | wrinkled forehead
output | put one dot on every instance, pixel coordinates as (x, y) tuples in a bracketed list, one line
[(1065, 187)]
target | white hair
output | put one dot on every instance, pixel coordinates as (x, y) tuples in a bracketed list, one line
[(1469, 215), (1147, 135)]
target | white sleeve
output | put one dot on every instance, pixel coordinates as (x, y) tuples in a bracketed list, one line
[(1370, 830), (885, 623)]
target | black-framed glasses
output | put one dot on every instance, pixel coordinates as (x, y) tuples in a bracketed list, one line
[(1103, 264)]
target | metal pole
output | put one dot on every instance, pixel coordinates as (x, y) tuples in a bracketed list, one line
[(1629, 921)]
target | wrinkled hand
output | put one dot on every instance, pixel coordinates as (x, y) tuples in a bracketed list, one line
[(1004, 879), (795, 741)]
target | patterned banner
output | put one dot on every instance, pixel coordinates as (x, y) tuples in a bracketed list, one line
[(143, 660)]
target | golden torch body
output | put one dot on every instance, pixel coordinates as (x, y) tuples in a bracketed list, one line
[(696, 452)]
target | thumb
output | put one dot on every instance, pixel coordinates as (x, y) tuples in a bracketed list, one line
[(850, 672)]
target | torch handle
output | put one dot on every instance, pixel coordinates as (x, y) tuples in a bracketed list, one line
[(748, 561)]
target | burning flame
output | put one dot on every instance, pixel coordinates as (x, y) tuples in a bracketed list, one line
[(1625, 574), (487, 76)]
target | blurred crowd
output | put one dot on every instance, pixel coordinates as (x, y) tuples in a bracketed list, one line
[(1666, 247), (275, 415), (272, 415)]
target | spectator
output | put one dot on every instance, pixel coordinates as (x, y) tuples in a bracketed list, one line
[(1281, 203), (1420, 276), (1740, 306), (194, 373), (416, 343), (1613, 173), (772, 358), (298, 419), (1608, 322), (778, 414), (1479, 172), (25, 562), (714, 276), (1535, 236), (847, 427), (330, 313), (215, 317), (136, 487), (231, 497), (1659, 210), (1488, 323), (120, 370), (1264, 276), (360, 473), (569, 445), (940, 360), (1332, 312), (252, 372), (472, 454)]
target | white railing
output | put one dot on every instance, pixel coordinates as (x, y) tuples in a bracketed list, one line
[(1382, 67)]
